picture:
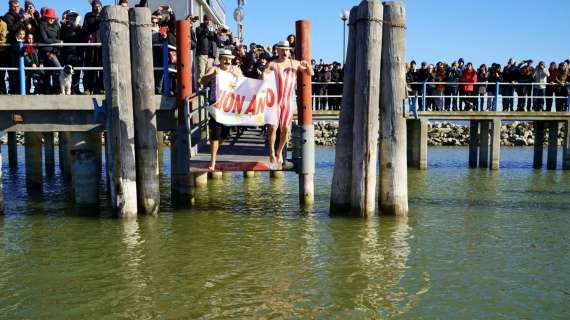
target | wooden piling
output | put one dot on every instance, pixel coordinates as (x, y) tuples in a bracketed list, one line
[(85, 176), (484, 145), (216, 175), (144, 107), (249, 174), (305, 116), (366, 107), (473, 143), (552, 157), (538, 144), (182, 179), (34, 159), (393, 195), (118, 95), (12, 150), (276, 174), (200, 180), (341, 182), (49, 152), (496, 144), (566, 146), (1, 188), (65, 159)]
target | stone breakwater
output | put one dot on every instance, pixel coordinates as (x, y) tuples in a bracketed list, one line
[(448, 134)]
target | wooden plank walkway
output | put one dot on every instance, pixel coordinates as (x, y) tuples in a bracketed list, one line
[(246, 152)]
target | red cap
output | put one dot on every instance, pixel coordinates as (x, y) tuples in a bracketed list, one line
[(50, 13)]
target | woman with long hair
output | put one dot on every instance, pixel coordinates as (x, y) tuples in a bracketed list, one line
[(562, 82)]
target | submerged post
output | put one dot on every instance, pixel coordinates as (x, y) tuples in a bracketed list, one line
[(12, 150), (496, 144), (393, 196), (49, 152), (341, 182), (181, 186), (305, 116), (552, 157), (566, 146), (85, 177), (366, 108), (538, 144), (65, 155), (33, 148), (473, 143), (484, 145), (144, 107), (120, 126)]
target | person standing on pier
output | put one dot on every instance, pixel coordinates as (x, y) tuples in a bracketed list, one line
[(218, 131), (285, 69)]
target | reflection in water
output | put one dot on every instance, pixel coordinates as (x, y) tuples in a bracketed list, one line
[(476, 243)]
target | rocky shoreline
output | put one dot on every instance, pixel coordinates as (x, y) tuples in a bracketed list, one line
[(518, 134)]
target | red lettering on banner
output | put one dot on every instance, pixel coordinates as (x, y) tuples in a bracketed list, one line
[(229, 102), (270, 98), (218, 102), (260, 105), (238, 105), (252, 105)]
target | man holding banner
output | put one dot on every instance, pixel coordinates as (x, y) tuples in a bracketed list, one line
[(285, 69), (218, 131)]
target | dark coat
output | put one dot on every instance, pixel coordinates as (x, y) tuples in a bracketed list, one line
[(206, 40), (49, 33), (71, 55)]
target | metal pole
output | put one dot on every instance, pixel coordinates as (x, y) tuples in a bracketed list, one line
[(344, 42), (497, 96), (424, 86), (22, 68), (165, 82), (305, 112)]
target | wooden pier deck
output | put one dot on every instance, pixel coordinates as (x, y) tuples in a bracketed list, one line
[(245, 152)]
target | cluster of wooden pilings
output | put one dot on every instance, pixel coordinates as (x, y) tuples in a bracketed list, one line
[(372, 125)]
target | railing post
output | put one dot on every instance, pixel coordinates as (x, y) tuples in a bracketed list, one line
[(21, 67), (497, 96), (165, 72), (424, 89), (530, 104)]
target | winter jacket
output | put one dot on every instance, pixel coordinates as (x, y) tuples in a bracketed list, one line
[(71, 55), (206, 40), (541, 76), (12, 19), (49, 33), (91, 25), (469, 76)]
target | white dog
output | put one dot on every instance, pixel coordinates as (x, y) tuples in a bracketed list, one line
[(65, 79)]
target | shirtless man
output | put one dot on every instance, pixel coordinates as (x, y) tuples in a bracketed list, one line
[(285, 70), (218, 131)]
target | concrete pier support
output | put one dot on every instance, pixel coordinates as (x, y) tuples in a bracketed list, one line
[(65, 159), (201, 180), (566, 146), (495, 144), (538, 144), (1, 188), (473, 143), (417, 143), (248, 174), (34, 159), (12, 150), (216, 175), (85, 167), (552, 145), (484, 144), (49, 152)]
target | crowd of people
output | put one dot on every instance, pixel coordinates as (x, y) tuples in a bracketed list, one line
[(461, 87)]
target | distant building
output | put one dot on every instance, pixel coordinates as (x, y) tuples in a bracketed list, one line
[(182, 8)]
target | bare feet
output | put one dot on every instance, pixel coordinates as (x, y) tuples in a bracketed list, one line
[(272, 158), (212, 167), (280, 160)]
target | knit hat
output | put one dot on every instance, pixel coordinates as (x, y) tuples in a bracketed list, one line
[(94, 2), (13, 2), (29, 3)]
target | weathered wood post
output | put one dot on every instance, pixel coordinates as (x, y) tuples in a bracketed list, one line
[(496, 144), (118, 95), (417, 143), (65, 159), (552, 157), (538, 144), (34, 159), (341, 182), (484, 145), (49, 152), (144, 107), (566, 146), (182, 179), (473, 143), (12, 150), (85, 176), (393, 195), (366, 125), (305, 116)]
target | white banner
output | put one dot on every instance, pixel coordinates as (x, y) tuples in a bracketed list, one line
[(244, 101)]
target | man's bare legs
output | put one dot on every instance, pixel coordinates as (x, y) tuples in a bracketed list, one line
[(214, 146), (272, 138)]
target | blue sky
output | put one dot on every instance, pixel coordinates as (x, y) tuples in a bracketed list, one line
[(481, 31)]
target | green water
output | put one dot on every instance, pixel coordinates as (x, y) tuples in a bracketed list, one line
[(477, 245)]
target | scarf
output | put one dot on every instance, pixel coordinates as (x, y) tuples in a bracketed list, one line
[(29, 49)]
